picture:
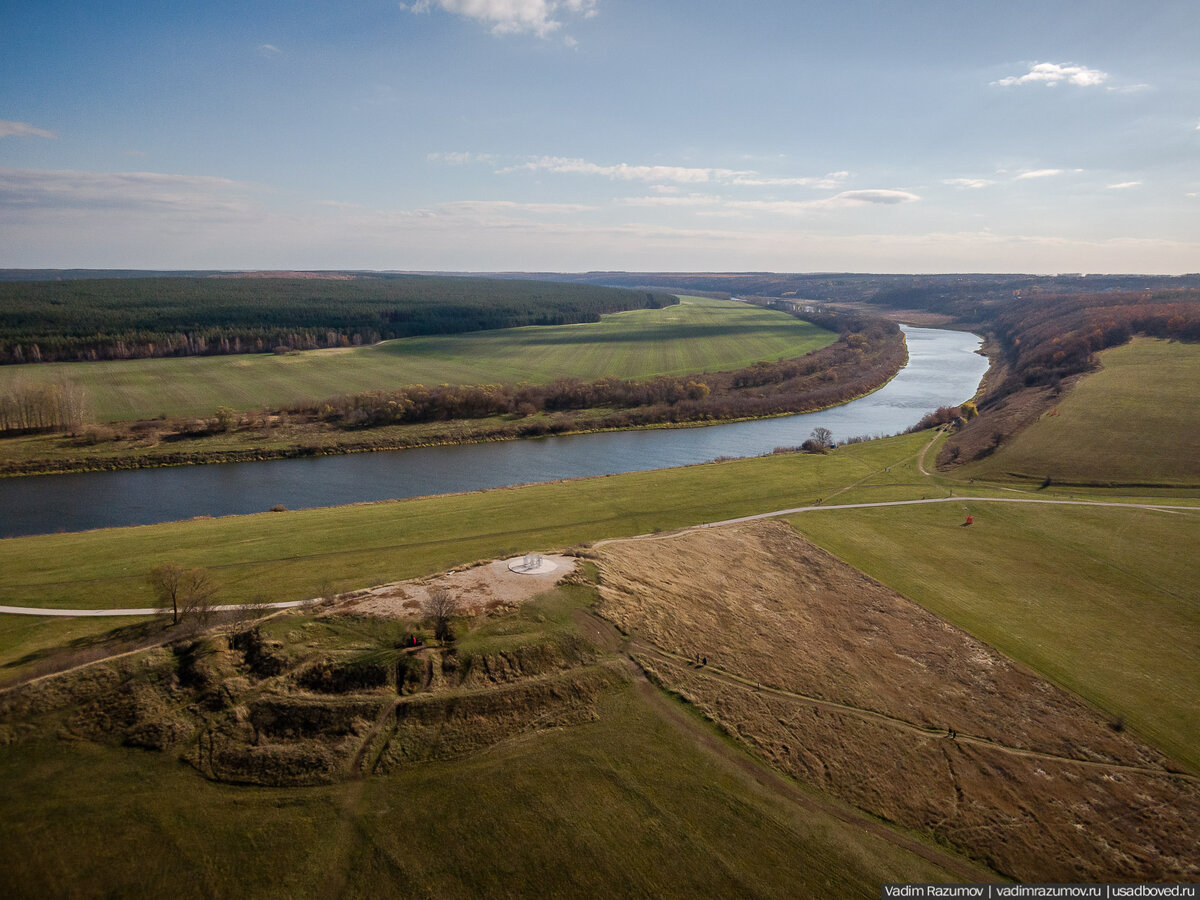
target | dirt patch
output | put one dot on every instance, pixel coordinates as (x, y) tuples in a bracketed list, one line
[(859, 688), (478, 589)]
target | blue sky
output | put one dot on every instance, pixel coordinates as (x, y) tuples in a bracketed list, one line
[(572, 135)]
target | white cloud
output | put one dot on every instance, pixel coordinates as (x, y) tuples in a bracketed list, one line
[(1123, 185), (886, 197), (968, 182), (1039, 173), (539, 17), (1051, 74), (723, 206), (142, 191), (268, 50), (677, 174), (625, 172), (23, 129)]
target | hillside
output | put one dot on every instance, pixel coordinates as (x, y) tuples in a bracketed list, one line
[(1130, 422)]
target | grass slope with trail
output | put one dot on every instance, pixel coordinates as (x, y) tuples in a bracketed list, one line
[(1099, 600), (560, 778)]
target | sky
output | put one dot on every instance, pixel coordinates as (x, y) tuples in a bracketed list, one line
[(578, 135)]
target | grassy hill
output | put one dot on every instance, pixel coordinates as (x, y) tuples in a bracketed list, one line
[(1099, 600), (697, 335), (625, 802), (1132, 422)]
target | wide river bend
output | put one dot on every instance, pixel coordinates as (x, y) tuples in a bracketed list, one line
[(944, 369)]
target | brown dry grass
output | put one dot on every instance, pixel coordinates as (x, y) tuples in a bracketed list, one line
[(859, 687)]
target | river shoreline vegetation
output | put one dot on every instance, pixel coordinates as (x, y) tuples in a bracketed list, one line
[(866, 353)]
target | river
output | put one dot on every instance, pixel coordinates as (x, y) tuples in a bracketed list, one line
[(943, 369)]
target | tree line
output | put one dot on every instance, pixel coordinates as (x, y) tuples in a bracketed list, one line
[(129, 318), (866, 354), (33, 408)]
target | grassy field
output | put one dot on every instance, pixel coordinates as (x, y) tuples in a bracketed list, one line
[(1133, 422), (1105, 602), (697, 335), (1101, 601), (625, 805), (306, 553)]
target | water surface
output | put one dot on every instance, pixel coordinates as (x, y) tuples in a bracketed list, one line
[(943, 369)]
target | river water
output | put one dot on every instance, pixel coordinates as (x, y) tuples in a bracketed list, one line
[(943, 369)]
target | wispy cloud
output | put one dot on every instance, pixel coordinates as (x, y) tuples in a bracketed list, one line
[(871, 197), (1051, 74), (626, 172), (23, 129), (1038, 173), (268, 50), (1123, 185), (145, 191), (677, 174), (777, 207), (968, 182), (540, 17)]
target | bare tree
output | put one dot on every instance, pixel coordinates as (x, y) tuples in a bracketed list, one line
[(188, 591), (822, 437), (441, 606)]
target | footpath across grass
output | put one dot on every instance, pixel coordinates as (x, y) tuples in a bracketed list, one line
[(1103, 601), (623, 806)]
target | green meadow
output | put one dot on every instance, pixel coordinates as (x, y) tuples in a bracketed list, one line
[(1103, 601), (1131, 422), (625, 805), (697, 335), (306, 553)]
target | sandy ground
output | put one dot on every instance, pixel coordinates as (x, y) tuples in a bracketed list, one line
[(478, 589)]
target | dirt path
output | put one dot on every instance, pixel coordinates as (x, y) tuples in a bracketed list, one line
[(745, 767), (715, 673), (796, 510)]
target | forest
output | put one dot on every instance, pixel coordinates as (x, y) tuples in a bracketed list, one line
[(129, 318)]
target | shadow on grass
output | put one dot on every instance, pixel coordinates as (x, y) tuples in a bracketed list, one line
[(113, 639)]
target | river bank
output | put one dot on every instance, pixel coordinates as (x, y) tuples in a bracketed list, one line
[(944, 369), (854, 366)]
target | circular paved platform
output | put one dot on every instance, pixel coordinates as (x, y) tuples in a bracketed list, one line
[(522, 565)]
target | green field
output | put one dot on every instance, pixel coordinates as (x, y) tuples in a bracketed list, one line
[(1105, 602), (1082, 595), (1132, 422), (305, 553), (698, 335), (626, 805)]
